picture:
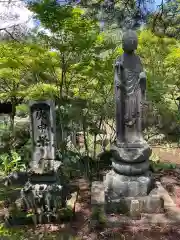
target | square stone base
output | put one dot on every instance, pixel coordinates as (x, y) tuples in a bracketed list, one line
[(134, 206), (157, 208), (119, 186), (131, 206)]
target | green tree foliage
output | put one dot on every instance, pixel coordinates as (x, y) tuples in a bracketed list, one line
[(165, 21), (160, 57), (85, 64)]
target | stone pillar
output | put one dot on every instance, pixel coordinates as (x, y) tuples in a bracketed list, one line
[(42, 194)]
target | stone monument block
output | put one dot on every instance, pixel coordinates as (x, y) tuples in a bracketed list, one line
[(43, 129), (97, 193), (43, 192)]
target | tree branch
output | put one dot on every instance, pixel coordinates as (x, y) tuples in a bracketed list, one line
[(10, 34)]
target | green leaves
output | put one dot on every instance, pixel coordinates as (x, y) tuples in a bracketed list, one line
[(11, 162)]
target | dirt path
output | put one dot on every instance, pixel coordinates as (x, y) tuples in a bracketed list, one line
[(170, 155)]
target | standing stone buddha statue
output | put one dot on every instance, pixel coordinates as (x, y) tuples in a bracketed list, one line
[(130, 86)]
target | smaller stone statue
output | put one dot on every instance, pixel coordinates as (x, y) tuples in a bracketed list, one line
[(130, 86)]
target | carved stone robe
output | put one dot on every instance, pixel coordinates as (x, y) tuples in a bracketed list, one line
[(130, 84)]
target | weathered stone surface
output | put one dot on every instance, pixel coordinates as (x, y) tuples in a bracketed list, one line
[(43, 193), (43, 134), (171, 210), (131, 169), (153, 204), (163, 194), (134, 210), (129, 182), (97, 193), (98, 215), (147, 204), (117, 185), (130, 154), (168, 183), (173, 213), (48, 194), (133, 189), (144, 185), (121, 205), (129, 82)]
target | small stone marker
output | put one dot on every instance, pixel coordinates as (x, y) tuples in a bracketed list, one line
[(134, 208), (98, 203), (97, 193)]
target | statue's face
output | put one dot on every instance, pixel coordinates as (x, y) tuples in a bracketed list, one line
[(129, 41)]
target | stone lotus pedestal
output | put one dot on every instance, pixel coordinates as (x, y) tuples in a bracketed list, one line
[(130, 174), (128, 185), (128, 188)]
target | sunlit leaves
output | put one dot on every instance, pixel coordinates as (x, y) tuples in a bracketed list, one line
[(20, 65), (42, 91)]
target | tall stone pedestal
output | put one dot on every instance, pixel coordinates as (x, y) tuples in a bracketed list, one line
[(130, 181), (130, 176)]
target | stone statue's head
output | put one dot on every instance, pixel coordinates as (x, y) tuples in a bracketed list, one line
[(129, 41)]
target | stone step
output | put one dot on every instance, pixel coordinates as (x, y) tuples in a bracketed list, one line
[(134, 206)]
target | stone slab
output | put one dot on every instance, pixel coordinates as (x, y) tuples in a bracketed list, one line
[(163, 194), (135, 205), (132, 206), (97, 193), (117, 185), (170, 207), (158, 208)]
